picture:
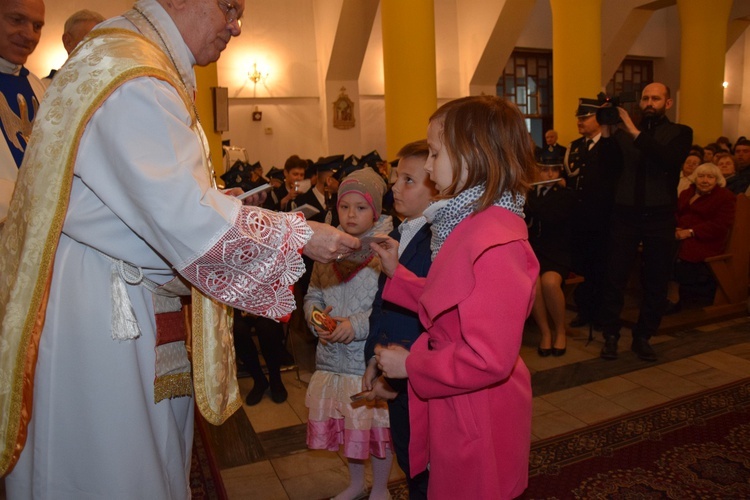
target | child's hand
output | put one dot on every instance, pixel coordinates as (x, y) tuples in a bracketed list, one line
[(392, 360), (381, 390), (344, 331), (388, 252), (371, 373)]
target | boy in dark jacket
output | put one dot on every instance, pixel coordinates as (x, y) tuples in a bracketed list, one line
[(389, 323)]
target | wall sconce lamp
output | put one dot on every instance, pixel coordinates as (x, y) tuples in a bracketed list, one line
[(256, 76)]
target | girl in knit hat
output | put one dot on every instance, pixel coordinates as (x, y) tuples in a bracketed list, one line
[(346, 289)]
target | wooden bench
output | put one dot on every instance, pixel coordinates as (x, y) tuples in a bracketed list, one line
[(732, 268)]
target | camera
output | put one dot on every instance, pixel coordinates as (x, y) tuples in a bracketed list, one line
[(608, 115)]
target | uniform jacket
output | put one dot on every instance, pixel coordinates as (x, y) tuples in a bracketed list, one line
[(710, 217), (469, 391), (309, 198), (593, 183)]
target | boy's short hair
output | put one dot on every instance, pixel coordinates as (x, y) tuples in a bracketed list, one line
[(416, 149)]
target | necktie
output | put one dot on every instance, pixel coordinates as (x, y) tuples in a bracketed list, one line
[(589, 143)]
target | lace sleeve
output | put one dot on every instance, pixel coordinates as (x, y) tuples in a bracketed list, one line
[(252, 266)]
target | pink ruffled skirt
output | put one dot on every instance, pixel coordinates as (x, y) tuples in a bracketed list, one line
[(362, 427)]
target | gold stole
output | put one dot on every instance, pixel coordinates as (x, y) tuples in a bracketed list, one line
[(29, 239)]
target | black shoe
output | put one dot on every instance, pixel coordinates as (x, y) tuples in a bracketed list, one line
[(256, 394), (543, 352), (559, 352), (579, 321), (278, 393), (609, 351), (643, 349)]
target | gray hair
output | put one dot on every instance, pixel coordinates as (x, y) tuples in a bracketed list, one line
[(82, 16), (711, 169)]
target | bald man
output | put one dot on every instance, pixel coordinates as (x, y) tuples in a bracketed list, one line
[(647, 160), (77, 26)]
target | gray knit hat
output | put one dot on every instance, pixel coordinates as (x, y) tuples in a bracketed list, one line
[(369, 184)]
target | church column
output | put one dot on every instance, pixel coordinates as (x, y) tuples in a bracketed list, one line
[(703, 50), (207, 77), (576, 60), (409, 70)]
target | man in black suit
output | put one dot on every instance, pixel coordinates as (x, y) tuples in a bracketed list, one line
[(552, 152), (593, 184), (648, 160)]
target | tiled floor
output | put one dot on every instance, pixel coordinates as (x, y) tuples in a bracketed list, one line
[(588, 397), (571, 392)]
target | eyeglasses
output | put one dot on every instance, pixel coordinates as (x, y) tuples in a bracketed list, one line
[(230, 12)]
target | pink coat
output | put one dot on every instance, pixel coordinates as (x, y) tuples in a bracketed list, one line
[(469, 391)]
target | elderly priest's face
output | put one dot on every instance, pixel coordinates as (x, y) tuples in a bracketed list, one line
[(206, 25)]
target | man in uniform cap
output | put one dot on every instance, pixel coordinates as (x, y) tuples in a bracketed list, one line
[(592, 185), (372, 159), (323, 195), (276, 180), (242, 175)]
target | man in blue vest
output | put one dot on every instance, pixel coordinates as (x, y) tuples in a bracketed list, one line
[(21, 23)]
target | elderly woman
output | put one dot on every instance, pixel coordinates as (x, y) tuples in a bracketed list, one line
[(705, 213)]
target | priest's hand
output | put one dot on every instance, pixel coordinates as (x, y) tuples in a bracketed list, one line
[(328, 243)]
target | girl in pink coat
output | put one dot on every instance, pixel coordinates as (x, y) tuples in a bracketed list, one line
[(469, 391)]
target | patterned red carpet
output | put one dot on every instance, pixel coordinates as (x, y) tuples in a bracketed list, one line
[(694, 447)]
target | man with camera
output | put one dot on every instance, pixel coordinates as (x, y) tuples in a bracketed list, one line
[(646, 161)]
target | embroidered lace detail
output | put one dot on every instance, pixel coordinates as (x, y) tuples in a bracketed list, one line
[(253, 265)]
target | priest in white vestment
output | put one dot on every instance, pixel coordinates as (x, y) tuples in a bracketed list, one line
[(114, 200)]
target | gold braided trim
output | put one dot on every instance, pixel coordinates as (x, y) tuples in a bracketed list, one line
[(174, 385), (31, 233)]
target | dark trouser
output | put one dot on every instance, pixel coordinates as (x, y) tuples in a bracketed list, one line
[(629, 228), (590, 261), (697, 282), (271, 339), (398, 412)]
